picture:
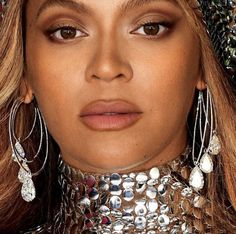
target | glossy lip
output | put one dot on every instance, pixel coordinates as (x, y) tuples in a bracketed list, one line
[(110, 115)]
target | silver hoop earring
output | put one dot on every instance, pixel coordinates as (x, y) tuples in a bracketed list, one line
[(205, 129), (19, 155)]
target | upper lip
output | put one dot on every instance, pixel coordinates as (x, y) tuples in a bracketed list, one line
[(100, 107)]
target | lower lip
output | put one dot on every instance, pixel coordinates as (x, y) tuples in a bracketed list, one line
[(111, 122)]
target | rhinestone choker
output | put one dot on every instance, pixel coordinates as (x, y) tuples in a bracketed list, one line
[(158, 200)]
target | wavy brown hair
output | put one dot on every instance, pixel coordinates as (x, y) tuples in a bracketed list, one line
[(15, 214)]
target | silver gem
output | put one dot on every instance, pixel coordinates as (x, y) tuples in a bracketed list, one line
[(118, 225), (140, 222), (154, 173), (140, 187), (206, 163), (104, 210), (141, 177), (163, 220), (165, 179), (20, 149), (151, 192), (103, 185), (153, 216), (176, 185), (152, 205), (24, 175), (28, 192), (128, 194), (84, 202), (128, 183), (93, 193), (117, 214), (115, 190), (214, 145), (115, 179), (127, 217), (186, 192), (196, 179), (161, 189), (140, 210), (115, 202), (164, 209)]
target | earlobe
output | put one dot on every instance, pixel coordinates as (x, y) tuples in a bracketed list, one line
[(26, 92), (201, 83)]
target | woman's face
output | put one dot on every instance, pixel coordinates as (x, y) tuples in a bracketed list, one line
[(88, 51)]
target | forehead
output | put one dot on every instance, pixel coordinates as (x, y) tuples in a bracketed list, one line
[(88, 6)]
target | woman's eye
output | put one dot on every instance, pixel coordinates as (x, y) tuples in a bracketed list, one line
[(152, 29), (66, 33)]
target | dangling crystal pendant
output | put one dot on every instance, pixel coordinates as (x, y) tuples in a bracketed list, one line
[(196, 179), (28, 191), (214, 145), (20, 149), (206, 163)]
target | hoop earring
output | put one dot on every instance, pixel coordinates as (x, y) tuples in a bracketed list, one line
[(19, 155), (205, 128)]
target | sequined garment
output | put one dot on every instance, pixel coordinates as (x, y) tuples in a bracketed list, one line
[(153, 201)]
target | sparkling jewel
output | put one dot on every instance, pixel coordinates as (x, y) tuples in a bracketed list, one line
[(152, 205), (24, 175), (151, 192), (140, 222), (128, 183), (128, 194), (115, 202), (141, 177), (214, 145), (196, 179), (164, 209), (28, 192), (186, 192), (161, 189), (115, 179), (20, 149), (206, 163), (140, 210), (154, 173), (163, 220)]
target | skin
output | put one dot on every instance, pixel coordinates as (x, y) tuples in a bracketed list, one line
[(113, 58)]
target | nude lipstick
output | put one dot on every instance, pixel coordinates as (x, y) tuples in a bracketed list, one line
[(110, 115)]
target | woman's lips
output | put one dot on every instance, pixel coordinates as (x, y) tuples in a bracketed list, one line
[(110, 115)]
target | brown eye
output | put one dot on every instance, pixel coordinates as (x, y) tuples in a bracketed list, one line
[(152, 29), (66, 33)]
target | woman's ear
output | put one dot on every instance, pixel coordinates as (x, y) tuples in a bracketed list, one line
[(26, 91), (201, 83)]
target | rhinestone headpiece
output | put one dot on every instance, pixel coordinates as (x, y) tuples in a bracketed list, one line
[(220, 20)]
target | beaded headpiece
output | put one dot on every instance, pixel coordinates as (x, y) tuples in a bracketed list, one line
[(220, 19)]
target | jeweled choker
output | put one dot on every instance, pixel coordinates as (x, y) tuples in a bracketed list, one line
[(158, 200)]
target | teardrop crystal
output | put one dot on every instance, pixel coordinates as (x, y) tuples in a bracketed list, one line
[(20, 149), (24, 175), (196, 179), (206, 163), (214, 145), (28, 191)]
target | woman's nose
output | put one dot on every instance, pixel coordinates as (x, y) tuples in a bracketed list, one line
[(109, 62)]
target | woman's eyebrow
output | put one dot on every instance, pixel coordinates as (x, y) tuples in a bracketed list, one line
[(82, 8)]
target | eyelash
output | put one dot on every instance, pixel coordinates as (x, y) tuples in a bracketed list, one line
[(51, 32)]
